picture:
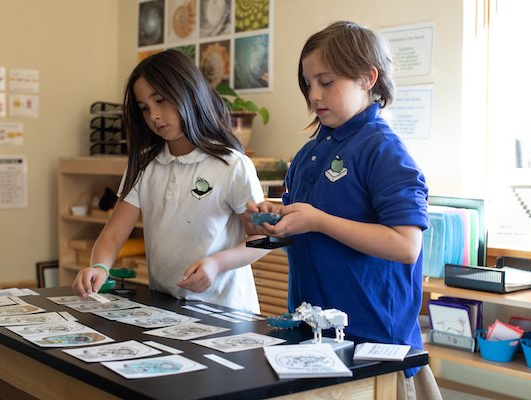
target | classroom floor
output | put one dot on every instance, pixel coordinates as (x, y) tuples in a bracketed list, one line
[(449, 394)]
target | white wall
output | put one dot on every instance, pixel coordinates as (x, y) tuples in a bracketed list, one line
[(73, 45)]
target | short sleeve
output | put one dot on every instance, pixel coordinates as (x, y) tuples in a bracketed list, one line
[(245, 185)]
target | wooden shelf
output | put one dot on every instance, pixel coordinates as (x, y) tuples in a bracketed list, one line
[(91, 219), (80, 179), (109, 165), (521, 299), (516, 368)]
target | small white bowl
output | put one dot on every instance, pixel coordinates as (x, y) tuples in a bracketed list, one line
[(79, 210)]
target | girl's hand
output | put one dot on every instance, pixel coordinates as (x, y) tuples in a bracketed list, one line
[(200, 275), (297, 218), (88, 280)]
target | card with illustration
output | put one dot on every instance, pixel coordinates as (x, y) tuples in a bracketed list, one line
[(7, 301), (305, 361), (85, 337), (159, 320), (10, 292), (94, 305), (139, 312), (113, 352), (20, 309), (53, 328), (242, 341), (29, 319), (186, 331), (66, 300), (156, 366)]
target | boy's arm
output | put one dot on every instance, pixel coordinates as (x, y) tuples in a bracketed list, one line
[(396, 243)]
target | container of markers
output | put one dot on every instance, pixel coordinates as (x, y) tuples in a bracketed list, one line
[(526, 347), (496, 350)]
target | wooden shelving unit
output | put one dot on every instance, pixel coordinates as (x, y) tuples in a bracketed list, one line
[(521, 299), (271, 279), (79, 180)]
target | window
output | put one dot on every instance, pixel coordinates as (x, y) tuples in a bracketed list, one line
[(508, 148)]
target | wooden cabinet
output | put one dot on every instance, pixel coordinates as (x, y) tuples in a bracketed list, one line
[(271, 279), (79, 180)]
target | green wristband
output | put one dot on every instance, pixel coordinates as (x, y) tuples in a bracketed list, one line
[(102, 266)]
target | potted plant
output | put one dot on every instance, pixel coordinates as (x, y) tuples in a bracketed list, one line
[(242, 113)]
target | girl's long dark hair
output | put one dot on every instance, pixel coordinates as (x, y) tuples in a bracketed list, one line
[(205, 118)]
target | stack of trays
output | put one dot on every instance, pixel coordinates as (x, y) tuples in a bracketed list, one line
[(107, 136)]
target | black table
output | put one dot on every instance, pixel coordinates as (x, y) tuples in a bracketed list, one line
[(51, 373)]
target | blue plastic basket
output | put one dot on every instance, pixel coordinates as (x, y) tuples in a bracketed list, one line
[(499, 351), (526, 347), (526, 335)]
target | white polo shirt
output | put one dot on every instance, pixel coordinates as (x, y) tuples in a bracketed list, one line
[(190, 206)]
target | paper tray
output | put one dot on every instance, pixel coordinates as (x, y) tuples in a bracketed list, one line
[(478, 278)]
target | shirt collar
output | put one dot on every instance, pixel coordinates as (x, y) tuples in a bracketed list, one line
[(352, 126), (195, 156)]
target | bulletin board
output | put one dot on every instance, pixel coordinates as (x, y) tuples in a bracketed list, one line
[(229, 40)]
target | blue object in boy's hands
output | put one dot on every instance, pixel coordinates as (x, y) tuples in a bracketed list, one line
[(260, 217)]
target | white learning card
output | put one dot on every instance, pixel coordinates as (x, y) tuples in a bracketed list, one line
[(85, 337), (113, 352), (450, 320), (20, 309), (381, 351), (51, 328), (305, 361), (186, 331), (96, 306), (156, 366), (242, 341), (158, 321), (40, 318)]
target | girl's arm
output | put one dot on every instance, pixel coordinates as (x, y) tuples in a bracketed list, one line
[(111, 239), (396, 243), (200, 275)]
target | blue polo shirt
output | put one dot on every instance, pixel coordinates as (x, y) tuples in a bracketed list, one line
[(361, 171)]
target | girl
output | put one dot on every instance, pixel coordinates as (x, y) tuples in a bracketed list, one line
[(187, 177), (356, 202)]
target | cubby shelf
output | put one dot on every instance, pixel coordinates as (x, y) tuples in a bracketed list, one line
[(521, 299)]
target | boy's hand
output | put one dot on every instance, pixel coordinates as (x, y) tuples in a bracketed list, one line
[(253, 208), (297, 218)]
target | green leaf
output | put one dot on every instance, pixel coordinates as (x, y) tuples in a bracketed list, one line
[(250, 106), (264, 114), (225, 90)]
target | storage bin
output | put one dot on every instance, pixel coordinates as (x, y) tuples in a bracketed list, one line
[(526, 347), (499, 351)]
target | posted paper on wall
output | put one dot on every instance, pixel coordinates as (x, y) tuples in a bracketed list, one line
[(11, 133), (13, 182), (23, 105), (410, 114), (411, 49)]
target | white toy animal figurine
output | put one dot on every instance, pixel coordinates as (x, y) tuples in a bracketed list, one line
[(320, 319)]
